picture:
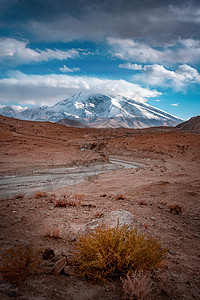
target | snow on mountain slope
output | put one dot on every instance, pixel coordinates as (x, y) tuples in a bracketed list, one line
[(91, 108)]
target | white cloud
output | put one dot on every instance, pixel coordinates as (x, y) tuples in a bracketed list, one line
[(49, 89), (157, 75), (130, 66), (65, 69), (175, 104), (19, 51), (183, 51)]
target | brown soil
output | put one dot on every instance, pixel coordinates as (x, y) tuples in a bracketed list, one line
[(170, 177)]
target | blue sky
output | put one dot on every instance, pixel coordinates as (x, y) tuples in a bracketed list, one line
[(146, 50)]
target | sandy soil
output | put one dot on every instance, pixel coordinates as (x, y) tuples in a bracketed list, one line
[(170, 176)]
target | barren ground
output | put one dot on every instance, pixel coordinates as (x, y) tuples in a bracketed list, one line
[(170, 176)]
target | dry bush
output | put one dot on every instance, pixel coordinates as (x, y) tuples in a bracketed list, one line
[(120, 197), (65, 203), (51, 198), (90, 205), (18, 263), (176, 208), (113, 252), (19, 196), (99, 214), (52, 231), (40, 194), (79, 197), (143, 202), (137, 286)]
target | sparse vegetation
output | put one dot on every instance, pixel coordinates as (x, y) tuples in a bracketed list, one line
[(98, 214), (18, 263), (19, 196), (40, 194), (112, 252), (137, 286), (120, 197), (52, 231), (65, 203)]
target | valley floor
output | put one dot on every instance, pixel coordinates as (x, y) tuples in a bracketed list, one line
[(169, 176)]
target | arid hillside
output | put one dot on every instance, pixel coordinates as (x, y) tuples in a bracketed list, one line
[(26, 144)]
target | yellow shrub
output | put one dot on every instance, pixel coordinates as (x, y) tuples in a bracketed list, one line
[(112, 252), (19, 262)]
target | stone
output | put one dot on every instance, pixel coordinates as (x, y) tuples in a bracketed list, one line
[(118, 217), (115, 218), (68, 270), (48, 254), (59, 266)]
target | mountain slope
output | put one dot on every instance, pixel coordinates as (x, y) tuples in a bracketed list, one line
[(191, 124), (98, 110)]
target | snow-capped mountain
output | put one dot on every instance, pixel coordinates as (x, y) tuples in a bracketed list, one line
[(97, 110)]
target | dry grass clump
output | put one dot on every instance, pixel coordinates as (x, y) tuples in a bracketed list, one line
[(137, 286), (18, 263), (120, 197), (19, 196), (175, 208), (65, 203), (40, 194), (52, 231), (112, 252), (79, 197), (99, 214)]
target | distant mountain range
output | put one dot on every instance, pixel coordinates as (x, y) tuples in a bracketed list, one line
[(96, 110)]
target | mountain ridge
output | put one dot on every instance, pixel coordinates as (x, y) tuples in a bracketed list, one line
[(98, 110)]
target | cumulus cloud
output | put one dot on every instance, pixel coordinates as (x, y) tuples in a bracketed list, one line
[(65, 69), (158, 75), (130, 66), (49, 89), (18, 50), (183, 51)]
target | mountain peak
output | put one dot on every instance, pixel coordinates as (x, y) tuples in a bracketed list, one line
[(88, 107)]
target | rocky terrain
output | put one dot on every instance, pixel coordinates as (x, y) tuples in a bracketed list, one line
[(146, 197)]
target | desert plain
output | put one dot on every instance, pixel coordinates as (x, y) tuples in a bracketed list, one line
[(165, 173)]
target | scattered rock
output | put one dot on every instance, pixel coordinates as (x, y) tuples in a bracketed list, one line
[(59, 266), (68, 271), (48, 254), (118, 217)]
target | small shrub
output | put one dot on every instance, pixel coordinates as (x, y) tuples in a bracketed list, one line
[(90, 205), (65, 203), (98, 214), (40, 194), (176, 208), (142, 202), (52, 232), (79, 197), (18, 263), (19, 196), (112, 252), (137, 286), (120, 197)]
